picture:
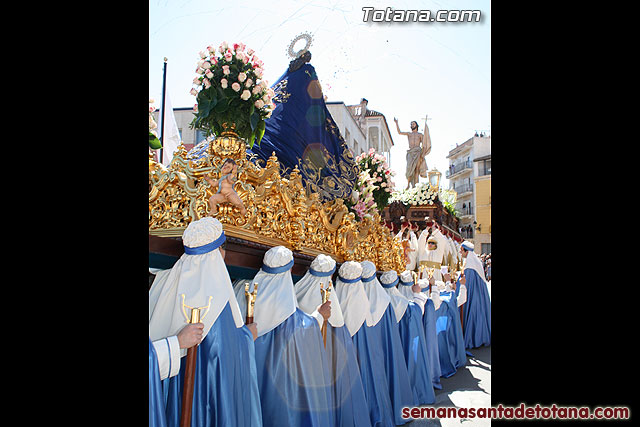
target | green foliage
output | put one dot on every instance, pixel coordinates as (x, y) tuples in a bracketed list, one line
[(154, 142)]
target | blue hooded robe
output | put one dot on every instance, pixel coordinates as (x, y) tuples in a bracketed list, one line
[(367, 342), (225, 388), (157, 417), (415, 352), (476, 311), (400, 390), (349, 401), (431, 336), (293, 374), (450, 340)]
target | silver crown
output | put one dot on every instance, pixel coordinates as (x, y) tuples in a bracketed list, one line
[(304, 36)]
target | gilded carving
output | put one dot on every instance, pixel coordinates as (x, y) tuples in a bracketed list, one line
[(279, 210)]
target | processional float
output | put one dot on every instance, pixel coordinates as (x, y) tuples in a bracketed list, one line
[(292, 185)]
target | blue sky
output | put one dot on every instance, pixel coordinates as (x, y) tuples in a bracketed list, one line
[(405, 70)]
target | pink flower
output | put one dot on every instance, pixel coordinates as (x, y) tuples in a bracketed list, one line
[(223, 83), (195, 108), (207, 83), (245, 59), (248, 83), (245, 95), (193, 92), (225, 70), (235, 86), (211, 49), (259, 103), (228, 55), (209, 74), (251, 51), (240, 56), (242, 77), (196, 81)]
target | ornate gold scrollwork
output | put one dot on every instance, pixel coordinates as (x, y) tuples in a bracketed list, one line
[(279, 210)]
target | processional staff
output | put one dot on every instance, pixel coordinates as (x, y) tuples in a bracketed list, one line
[(190, 367), (430, 272), (325, 293), (251, 301)]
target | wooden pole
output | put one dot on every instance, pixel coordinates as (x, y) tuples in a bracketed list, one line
[(189, 377), (325, 298)]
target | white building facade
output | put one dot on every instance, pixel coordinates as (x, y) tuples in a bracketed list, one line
[(349, 128), (362, 128), (184, 116), (462, 174)]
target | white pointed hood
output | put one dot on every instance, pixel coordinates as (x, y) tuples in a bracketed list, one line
[(378, 299), (200, 275), (399, 302), (276, 299), (308, 289), (353, 299)]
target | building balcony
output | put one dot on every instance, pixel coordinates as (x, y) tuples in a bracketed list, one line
[(463, 212), (462, 190), (466, 234), (458, 169)]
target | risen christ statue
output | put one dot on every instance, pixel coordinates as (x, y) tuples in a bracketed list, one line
[(419, 147)]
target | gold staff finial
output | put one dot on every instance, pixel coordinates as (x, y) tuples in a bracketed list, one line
[(195, 311)]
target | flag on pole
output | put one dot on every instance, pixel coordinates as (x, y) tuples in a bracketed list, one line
[(171, 135)]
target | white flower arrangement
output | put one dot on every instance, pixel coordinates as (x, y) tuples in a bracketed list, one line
[(420, 194)]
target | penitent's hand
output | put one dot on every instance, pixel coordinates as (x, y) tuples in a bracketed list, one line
[(325, 310), (253, 327), (190, 335)]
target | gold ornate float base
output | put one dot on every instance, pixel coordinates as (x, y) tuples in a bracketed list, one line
[(280, 211)]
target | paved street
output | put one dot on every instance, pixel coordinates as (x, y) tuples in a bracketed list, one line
[(470, 387)]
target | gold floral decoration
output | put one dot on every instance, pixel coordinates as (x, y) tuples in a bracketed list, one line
[(279, 210)]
